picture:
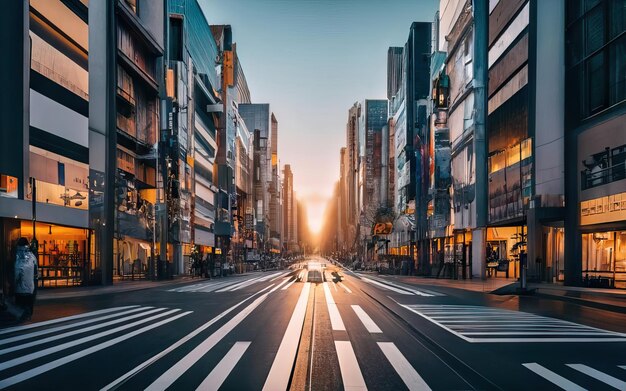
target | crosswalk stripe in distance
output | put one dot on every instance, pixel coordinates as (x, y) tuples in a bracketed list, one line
[(30, 373), (566, 384), (398, 288)]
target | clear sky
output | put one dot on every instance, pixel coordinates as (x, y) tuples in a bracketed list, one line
[(311, 60)]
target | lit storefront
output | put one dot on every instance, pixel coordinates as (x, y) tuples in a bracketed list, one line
[(62, 254)]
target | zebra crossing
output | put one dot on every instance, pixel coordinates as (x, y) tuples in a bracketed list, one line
[(229, 284), (573, 374), (398, 288), (478, 324), (39, 341)]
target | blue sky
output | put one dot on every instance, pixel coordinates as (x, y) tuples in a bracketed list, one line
[(311, 60)]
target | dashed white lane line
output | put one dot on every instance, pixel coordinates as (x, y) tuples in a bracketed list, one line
[(385, 286), (221, 371), (369, 324), (174, 372), (335, 318), (288, 285), (278, 377), (341, 284), (603, 377), (120, 380), (553, 378), (351, 374), (407, 373)]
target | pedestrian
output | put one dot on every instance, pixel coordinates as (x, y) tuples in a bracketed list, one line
[(25, 278)]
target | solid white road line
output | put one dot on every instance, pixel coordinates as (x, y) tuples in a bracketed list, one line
[(553, 378), (55, 349), (278, 377), (335, 318), (407, 373), (20, 377), (288, 285), (385, 286), (177, 344), (77, 331), (65, 319), (68, 326), (366, 320), (415, 291), (174, 372), (341, 284), (221, 371), (350, 372), (603, 377)]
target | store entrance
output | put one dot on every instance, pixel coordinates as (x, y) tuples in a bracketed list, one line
[(504, 246)]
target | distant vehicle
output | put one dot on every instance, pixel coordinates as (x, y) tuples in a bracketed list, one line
[(314, 273)]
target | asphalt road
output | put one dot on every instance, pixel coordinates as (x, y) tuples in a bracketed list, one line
[(276, 330)]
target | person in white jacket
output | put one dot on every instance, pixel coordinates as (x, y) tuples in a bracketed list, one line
[(25, 278)]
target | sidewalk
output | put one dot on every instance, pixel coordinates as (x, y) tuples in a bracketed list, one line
[(118, 286)]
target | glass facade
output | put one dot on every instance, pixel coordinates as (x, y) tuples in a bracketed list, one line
[(604, 259), (595, 56)]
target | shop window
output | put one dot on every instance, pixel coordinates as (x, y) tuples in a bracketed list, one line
[(8, 186)]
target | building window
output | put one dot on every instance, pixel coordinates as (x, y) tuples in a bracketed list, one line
[(596, 57)]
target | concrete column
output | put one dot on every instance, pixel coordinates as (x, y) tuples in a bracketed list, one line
[(479, 246), (102, 135)]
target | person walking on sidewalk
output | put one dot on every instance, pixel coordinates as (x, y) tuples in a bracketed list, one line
[(25, 278)]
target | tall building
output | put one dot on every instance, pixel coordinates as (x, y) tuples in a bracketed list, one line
[(257, 117), (352, 178), (595, 144), (192, 80), (275, 191), (291, 238), (45, 135)]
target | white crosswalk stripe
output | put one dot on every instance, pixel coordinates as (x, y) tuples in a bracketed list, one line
[(601, 379), (68, 328), (351, 374), (229, 284), (487, 324), (553, 378), (368, 322), (407, 373), (398, 288), (217, 376)]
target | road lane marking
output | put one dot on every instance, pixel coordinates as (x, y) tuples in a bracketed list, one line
[(278, 377), (333, 311), (64, 319), (281, 275), (479, 325), (178, 369), (247, 282), (221, 371), (55, 349), (177, 344), (69, 326), (407, 373), (216, 286), (553, 378), (20, 377), (385, 286), (366, 320), (76, 332), (341, 284), (601, 376), (349, 366), (288, 285)]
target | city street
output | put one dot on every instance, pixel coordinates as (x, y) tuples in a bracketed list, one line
[(274, 330)]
